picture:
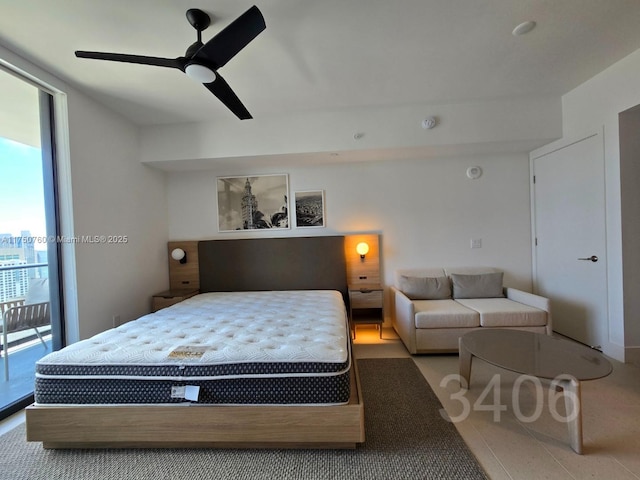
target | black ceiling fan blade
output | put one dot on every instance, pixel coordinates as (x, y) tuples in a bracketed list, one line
[(139, 59), (221, 89), (233, 38)]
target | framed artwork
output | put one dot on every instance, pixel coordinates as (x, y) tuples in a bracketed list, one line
[(253, 202), (310, 208)]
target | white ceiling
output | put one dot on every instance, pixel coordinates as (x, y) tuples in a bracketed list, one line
[(325, 55)]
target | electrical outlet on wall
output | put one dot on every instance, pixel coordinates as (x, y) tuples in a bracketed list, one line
[(476, 243)]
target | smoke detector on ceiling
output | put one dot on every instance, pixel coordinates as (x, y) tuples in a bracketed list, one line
[(474, 172)]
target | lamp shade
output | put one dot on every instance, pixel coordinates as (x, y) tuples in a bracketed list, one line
[(178, 254), (362, 248)]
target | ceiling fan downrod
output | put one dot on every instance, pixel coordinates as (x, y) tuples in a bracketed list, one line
[(198, 20)]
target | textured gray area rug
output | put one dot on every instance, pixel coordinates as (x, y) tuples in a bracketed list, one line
[(406, 438)]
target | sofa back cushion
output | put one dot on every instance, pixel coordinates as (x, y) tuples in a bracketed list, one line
[(483, 285), (448, 271), (425, 288), (38, 291), (420, 272)]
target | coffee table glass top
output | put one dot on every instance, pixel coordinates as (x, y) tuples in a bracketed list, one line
[(543, 356)]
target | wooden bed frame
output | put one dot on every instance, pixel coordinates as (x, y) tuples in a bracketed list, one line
[(199, 426), (291, 263)]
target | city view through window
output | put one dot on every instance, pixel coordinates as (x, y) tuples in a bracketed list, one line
[(22, 219), (24, 283), (30, 319)]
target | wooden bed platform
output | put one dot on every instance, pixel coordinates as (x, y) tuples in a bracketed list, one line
[(199, 426), (224, 265)]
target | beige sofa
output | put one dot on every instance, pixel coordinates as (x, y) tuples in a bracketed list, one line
[(433, 307)]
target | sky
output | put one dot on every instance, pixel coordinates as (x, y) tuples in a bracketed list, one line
[(21, 189)]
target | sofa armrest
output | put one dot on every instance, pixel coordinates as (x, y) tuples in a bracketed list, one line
[(404, 321), (532, 300)]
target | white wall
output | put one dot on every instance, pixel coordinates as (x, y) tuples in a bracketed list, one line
[(589, 108), (114, 195), (427, 211), (523, 123), (105, 191)]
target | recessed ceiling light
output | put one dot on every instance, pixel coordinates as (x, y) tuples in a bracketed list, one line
[(429, 122), (523, 28)]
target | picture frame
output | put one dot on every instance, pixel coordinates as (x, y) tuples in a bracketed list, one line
[(309, 209), (253, 202)]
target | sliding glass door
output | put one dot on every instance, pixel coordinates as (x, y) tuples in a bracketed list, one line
[(30, 306)]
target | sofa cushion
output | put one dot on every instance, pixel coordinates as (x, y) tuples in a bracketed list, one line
[(448, 271), (425, 288), (419, 272), (485, 285), (502, 312), (444, 314), (38, 291)]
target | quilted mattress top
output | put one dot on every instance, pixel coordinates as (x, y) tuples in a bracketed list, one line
[(305, 326)]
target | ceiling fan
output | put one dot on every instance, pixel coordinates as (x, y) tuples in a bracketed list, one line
[(202, 61)]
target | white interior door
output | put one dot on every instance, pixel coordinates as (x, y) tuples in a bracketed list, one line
[(570, 261)]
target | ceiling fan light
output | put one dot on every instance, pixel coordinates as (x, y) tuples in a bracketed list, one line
[(200, 73)]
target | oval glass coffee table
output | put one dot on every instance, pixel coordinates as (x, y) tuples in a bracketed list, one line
[(565, 362)]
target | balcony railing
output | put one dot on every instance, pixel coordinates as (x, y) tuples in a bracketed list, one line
[(20, 339)]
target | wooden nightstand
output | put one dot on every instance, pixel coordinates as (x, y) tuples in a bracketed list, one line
[(366, 305), (170, 297)]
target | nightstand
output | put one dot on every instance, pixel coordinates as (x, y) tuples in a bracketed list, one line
[(170, 297), (366, 306)]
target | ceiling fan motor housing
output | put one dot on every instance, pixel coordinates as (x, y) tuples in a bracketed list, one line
[(198, 19)]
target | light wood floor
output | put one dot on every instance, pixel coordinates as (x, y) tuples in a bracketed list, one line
[(508, 448)]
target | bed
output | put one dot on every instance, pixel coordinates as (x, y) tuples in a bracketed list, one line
[(260, 358)]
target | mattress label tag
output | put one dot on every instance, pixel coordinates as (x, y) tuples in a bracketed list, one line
[(188, 351), (191, 392), (178, 392)]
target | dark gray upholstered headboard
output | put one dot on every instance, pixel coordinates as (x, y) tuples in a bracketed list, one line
[(291, 263)]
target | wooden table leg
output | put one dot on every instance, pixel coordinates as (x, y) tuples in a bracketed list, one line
[(465, 364), (573, 405)]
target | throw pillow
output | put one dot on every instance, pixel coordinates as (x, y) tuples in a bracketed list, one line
[(38, 291), (486, 285), (425, 288)]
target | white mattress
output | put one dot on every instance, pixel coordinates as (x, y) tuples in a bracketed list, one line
[(210, 337), (231, 327)]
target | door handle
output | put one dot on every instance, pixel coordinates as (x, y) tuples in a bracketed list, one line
[(593, 258)]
